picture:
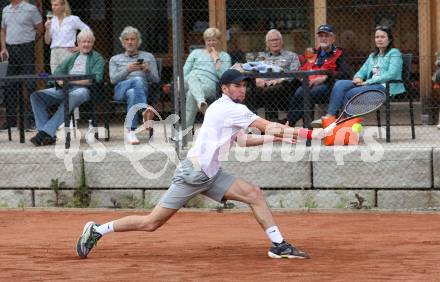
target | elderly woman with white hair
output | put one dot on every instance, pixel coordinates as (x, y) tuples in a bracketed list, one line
[(86, 61), (132, 72), (202, 71)]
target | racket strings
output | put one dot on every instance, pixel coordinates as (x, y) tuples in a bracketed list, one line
[(365, 103)]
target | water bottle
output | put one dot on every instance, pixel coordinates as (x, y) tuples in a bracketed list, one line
[(90, 135)]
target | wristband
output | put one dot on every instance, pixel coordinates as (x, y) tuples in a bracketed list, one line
[(305, 133)]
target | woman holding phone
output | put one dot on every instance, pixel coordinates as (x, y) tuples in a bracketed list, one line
[(61, 28)]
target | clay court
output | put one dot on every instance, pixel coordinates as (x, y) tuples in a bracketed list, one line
[(228, 246)]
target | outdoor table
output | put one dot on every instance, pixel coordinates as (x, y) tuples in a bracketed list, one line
[(33, 77)]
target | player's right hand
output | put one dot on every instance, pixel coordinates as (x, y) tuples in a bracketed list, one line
[(318, 133)]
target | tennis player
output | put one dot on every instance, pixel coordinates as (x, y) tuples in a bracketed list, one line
[(200, 173)]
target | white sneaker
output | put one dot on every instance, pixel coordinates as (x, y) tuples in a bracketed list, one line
[(317, 123), (438, 126), (61, 126), (132, 139)]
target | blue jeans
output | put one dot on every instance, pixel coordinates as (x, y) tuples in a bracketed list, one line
[(41, 100), (296, 101), (134, 91), (344, 90)]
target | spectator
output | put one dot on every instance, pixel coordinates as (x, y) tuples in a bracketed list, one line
[(232, 36), (132, 72), (21, 27), (272, 93), (61, 32), (436, 78), (86, 61), (202, 71), (327, 57), (384, 64)]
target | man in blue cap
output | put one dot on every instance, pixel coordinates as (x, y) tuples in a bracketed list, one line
[(200, 173), (326, 57)]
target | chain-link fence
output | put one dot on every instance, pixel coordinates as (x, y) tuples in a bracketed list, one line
[(341, 48)]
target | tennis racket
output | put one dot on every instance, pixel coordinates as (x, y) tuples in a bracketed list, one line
[(360, 104)]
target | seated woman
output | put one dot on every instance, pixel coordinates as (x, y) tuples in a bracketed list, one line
[(384, 64), (202, 71), (86, 61)]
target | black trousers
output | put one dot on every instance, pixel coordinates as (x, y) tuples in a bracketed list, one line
[(272, 98), (21, 61)]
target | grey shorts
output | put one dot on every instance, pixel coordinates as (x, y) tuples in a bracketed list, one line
[(189, 181)]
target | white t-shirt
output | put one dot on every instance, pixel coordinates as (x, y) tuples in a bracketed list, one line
[(79, 66), (64, 35), (223, 121)]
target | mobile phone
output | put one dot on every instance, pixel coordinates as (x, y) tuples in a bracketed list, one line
[(140, 61)]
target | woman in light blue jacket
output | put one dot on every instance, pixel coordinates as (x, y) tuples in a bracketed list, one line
[(384, 64), (202, 71)]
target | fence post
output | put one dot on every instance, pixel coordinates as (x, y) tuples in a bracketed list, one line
[(179, 93)]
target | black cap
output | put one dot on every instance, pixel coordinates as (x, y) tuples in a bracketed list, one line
[(232, 76), (325, 28)]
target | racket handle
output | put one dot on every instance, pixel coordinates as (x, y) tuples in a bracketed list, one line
[(328, 130)]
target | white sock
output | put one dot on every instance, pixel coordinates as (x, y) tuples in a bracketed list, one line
[(274, 234), (105, 228)]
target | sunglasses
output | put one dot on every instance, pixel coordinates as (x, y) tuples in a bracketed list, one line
[(382, 27)]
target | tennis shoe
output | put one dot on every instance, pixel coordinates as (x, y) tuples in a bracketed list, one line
[(87, 240), (317, 123), (286, 250), (132, 138)]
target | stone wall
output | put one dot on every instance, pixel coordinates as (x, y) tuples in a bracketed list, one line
[(328, 177)]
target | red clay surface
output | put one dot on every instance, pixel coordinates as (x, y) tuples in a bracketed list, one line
[(210, 246)]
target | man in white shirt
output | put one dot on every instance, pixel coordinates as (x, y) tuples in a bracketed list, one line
[(200, 173), (21, 27)]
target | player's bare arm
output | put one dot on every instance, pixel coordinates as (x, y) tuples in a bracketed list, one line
[(249, 140), (285, 131), (275, 129)]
